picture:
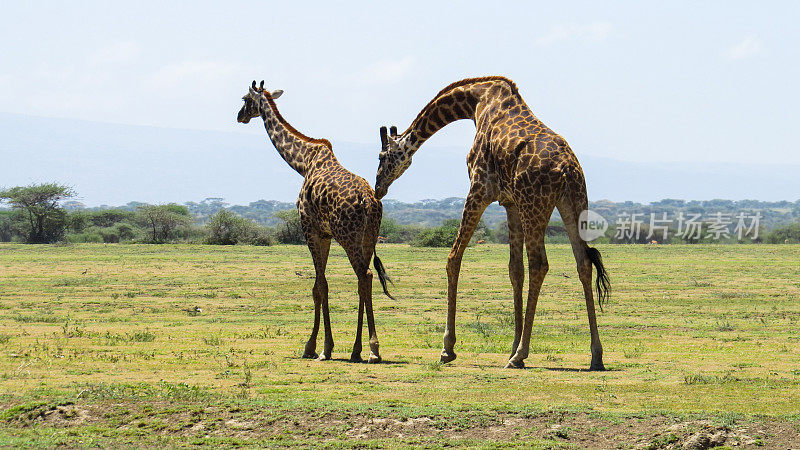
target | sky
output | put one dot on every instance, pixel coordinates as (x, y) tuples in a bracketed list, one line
[(699, 82)]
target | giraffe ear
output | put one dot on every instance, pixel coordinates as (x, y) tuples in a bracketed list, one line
[(277, 93), (254, 84), (262, 85)]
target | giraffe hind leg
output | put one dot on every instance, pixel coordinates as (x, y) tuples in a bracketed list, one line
[(537, 269), (319, 252), (570, 208), (370, 240), (533, 227), (355, 356), (360, 264)]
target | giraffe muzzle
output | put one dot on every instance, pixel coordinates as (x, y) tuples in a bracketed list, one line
[(380, 192)]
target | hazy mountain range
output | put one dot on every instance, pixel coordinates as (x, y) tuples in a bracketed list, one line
[(114, 164)]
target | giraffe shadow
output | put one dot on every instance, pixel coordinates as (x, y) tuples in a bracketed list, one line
[(572, 369), (382, 363), (551, 369)]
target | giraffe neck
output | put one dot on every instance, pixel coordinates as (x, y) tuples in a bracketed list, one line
[(297, 149), (460, 100)]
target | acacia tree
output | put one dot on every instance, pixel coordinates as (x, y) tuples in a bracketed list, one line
[(43, 220), (162, 220)]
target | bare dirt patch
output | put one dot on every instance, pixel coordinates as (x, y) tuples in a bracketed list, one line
[(583, 429), (588, 430)]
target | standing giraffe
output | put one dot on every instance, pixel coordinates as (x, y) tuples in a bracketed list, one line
[(333, 202), (530, 170)]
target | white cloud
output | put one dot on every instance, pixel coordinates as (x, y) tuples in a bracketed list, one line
[(592, 32), (747, 48), (387, 71)]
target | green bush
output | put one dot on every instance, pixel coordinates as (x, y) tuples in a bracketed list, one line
[(9, 225), (291, 230), (226, 228), (125, 231), (81, 220), (443, 236), (501, 232), (85, 237), (77, 222), (789, 234), (555, 233), (117, 233), (255, 234), (120, 232), (396, 233), (223, 228), (482, 233)]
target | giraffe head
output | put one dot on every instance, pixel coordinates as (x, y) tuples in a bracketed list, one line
[(395, 158), (252, 102)]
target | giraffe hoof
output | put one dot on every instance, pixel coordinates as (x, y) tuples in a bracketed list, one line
[(597, 367), (515, 365), (356, 358), (310, 355), (446, 356), (324, 357), (374, 359)]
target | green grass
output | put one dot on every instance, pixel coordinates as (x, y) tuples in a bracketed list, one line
[(690, 330)]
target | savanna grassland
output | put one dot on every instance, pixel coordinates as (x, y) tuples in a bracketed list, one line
[(171, 345)]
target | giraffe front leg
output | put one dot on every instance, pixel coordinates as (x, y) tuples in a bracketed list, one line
[(516, 272), (473, 210)]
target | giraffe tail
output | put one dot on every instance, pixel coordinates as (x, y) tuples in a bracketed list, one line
[(602, 283), (382, 276)]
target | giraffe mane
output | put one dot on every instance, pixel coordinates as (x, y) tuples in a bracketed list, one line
[(460, 83), (289, 126)]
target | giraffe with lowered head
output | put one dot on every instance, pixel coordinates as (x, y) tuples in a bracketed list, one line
[(333, 203), (530, 170)]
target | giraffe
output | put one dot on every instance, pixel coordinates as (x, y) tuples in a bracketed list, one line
[(333, 203), (530, 170)]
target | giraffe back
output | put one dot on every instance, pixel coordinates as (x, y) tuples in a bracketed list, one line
[(514, 153), (337, 203)]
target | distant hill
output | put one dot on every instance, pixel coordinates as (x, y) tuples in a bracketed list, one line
[(114, 164)]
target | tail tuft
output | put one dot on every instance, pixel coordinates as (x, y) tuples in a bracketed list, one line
[(602, 283), (382, 276)]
